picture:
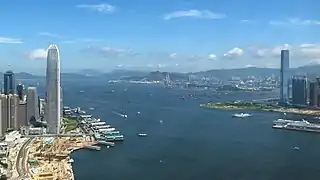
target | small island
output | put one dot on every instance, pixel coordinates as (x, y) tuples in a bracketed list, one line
[(262, 107)]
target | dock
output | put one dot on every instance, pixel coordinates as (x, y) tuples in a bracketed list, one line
[(112, 144), (97, 148)]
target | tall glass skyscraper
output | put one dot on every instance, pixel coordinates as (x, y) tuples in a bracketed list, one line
[(299, 90), (9, 82), (52, 108), (284, 77)]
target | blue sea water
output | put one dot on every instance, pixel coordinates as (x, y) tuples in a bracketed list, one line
[(191, 143)]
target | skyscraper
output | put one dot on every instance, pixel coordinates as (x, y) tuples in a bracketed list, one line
[(52, 108), (9, 83), (299, 90), (32, 103), (284, 77), (9, 111), (314, 93), (20, 89)]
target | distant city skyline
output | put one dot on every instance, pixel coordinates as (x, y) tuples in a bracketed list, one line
[(176, 35)]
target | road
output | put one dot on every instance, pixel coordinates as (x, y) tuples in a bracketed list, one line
[(56, 135), (21, 159)]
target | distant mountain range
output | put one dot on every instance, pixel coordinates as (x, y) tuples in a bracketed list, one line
[(310, 70)]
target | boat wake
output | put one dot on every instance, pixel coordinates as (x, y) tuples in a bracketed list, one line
[(119, 114)]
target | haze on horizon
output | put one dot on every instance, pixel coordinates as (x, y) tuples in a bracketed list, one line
[(176, 35)]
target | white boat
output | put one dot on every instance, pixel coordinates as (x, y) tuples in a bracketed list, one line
[(296, 148), (241, 115), (142, 134)]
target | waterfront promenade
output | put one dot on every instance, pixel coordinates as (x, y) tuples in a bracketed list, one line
[(270, 108)]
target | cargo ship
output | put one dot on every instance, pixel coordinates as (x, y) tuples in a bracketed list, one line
[(302, 125)]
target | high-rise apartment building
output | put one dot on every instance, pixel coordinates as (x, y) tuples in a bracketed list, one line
[(9, 111), (32, 103), (9, 83), (52, 107), (299, 90), (284, 77)]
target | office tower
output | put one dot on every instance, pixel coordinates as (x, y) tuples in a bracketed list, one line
[(9, 111), (32, 103), (9, 83), (314, 93), (299, 90), (52, 107), (2, 124), (20, 89), (22, 114), (284, 77), (61, 102)]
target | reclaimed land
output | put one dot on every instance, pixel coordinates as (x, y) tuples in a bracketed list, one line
[(262, 107)]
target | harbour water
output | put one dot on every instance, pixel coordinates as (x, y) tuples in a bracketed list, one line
[(187, 142)]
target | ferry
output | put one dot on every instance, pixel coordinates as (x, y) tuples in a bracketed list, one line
[(241, 115), (282, 121), (142, 134), (302, 125)]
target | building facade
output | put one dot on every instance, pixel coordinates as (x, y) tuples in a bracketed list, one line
[(284, 77), (9, 111), (20, 91), (22, 114), (9, 80), (314, 93), (32, 103), (52, 107), (299, 90)]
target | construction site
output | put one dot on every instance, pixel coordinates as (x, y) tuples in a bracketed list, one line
[(48, 158)]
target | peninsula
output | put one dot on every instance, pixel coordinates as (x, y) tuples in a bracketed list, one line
[(262, 107)]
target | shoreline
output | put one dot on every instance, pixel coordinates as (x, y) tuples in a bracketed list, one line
[(54, 161), (275, 109), (69, 164)]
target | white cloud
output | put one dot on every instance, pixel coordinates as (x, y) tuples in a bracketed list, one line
[(246, 21), (276, 51), (250, 65), (212, 57), (295, 21), (7, 40), (116, 52), (173, 55), (234, 53), (203, 14), (311, 51), (49, 34), (103, 8), (89, 40), (68, 42), (37, 54), (268, 52)]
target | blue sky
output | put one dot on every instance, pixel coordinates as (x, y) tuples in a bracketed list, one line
[(173, 35)]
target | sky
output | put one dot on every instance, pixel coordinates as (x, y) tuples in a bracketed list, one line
[(168, 35)]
